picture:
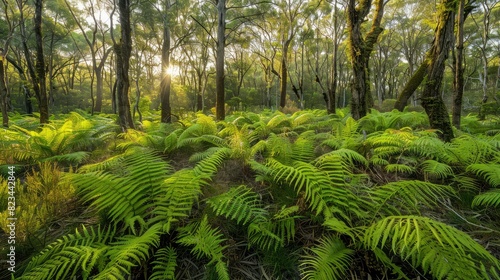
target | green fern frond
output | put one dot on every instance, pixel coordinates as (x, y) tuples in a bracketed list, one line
[(330, 259), (322, 193), (278, 121), (349, 156), (72, 158), (71, 255), (129, 251), (488, 172), (209, 165), (490, 198), (439, 249), (400, 168), (436, 169), (175, 198), (261, 234), (164, 264), (466, 150), (407, 196), (429, 147), (240, 204), (206, 241), (303, 147), (127, 194)]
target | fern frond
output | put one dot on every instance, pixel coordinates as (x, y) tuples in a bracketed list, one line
[(209, 165), (240, 204), (439, 249), (330, 259), (128, 194), (206, 241), (408, 195), (436, 169), (488, 172), (490, 198), (400, 168), (175, 198), (164, 264), (71, 255), (129, 251)]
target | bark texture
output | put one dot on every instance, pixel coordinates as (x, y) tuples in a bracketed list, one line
[(220, 112), (123, 50), (431, 95), (360, 49)]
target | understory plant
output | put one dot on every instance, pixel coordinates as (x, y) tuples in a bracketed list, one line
[(275, 196)]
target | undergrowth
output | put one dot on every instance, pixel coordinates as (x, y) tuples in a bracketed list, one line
[(258, 196)]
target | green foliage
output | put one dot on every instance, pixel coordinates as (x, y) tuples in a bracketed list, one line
[(439, 249), (228, 199), (206, 242), (330, 259)]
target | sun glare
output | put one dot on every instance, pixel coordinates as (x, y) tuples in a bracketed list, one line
[(173, 70)]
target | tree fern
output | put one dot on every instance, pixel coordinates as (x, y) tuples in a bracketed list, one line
[(437, 248), (330, 259), (206, 242), (164, 264)]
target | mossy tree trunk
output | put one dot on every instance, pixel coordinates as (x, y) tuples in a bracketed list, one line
[(431, 95), (360, 49)]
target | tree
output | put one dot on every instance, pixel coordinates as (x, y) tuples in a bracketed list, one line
[(360, 49), (458, 81), (123, 50), (40, 65), (98, 51), (432, 100)]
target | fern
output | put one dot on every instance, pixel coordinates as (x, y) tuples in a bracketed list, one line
[(331, 259), (129, 251), (490, 198), (489, 172), (128, 194), (164, 264), (206, 241), (439, 249), (175, 197), (407, 196), (436, 169), (240, 204), (73, 254)]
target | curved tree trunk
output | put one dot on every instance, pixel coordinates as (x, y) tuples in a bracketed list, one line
[(431, 95)]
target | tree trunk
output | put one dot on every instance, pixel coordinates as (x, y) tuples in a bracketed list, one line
[(459, 69), (4, 92), (360, 50), (123, 51), (332, 89), (284, 73), (40, 65), (431, 95), (166, 80), (219, 62), (412, 85)]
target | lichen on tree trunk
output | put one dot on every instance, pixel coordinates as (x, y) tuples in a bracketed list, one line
[(431, 95)]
